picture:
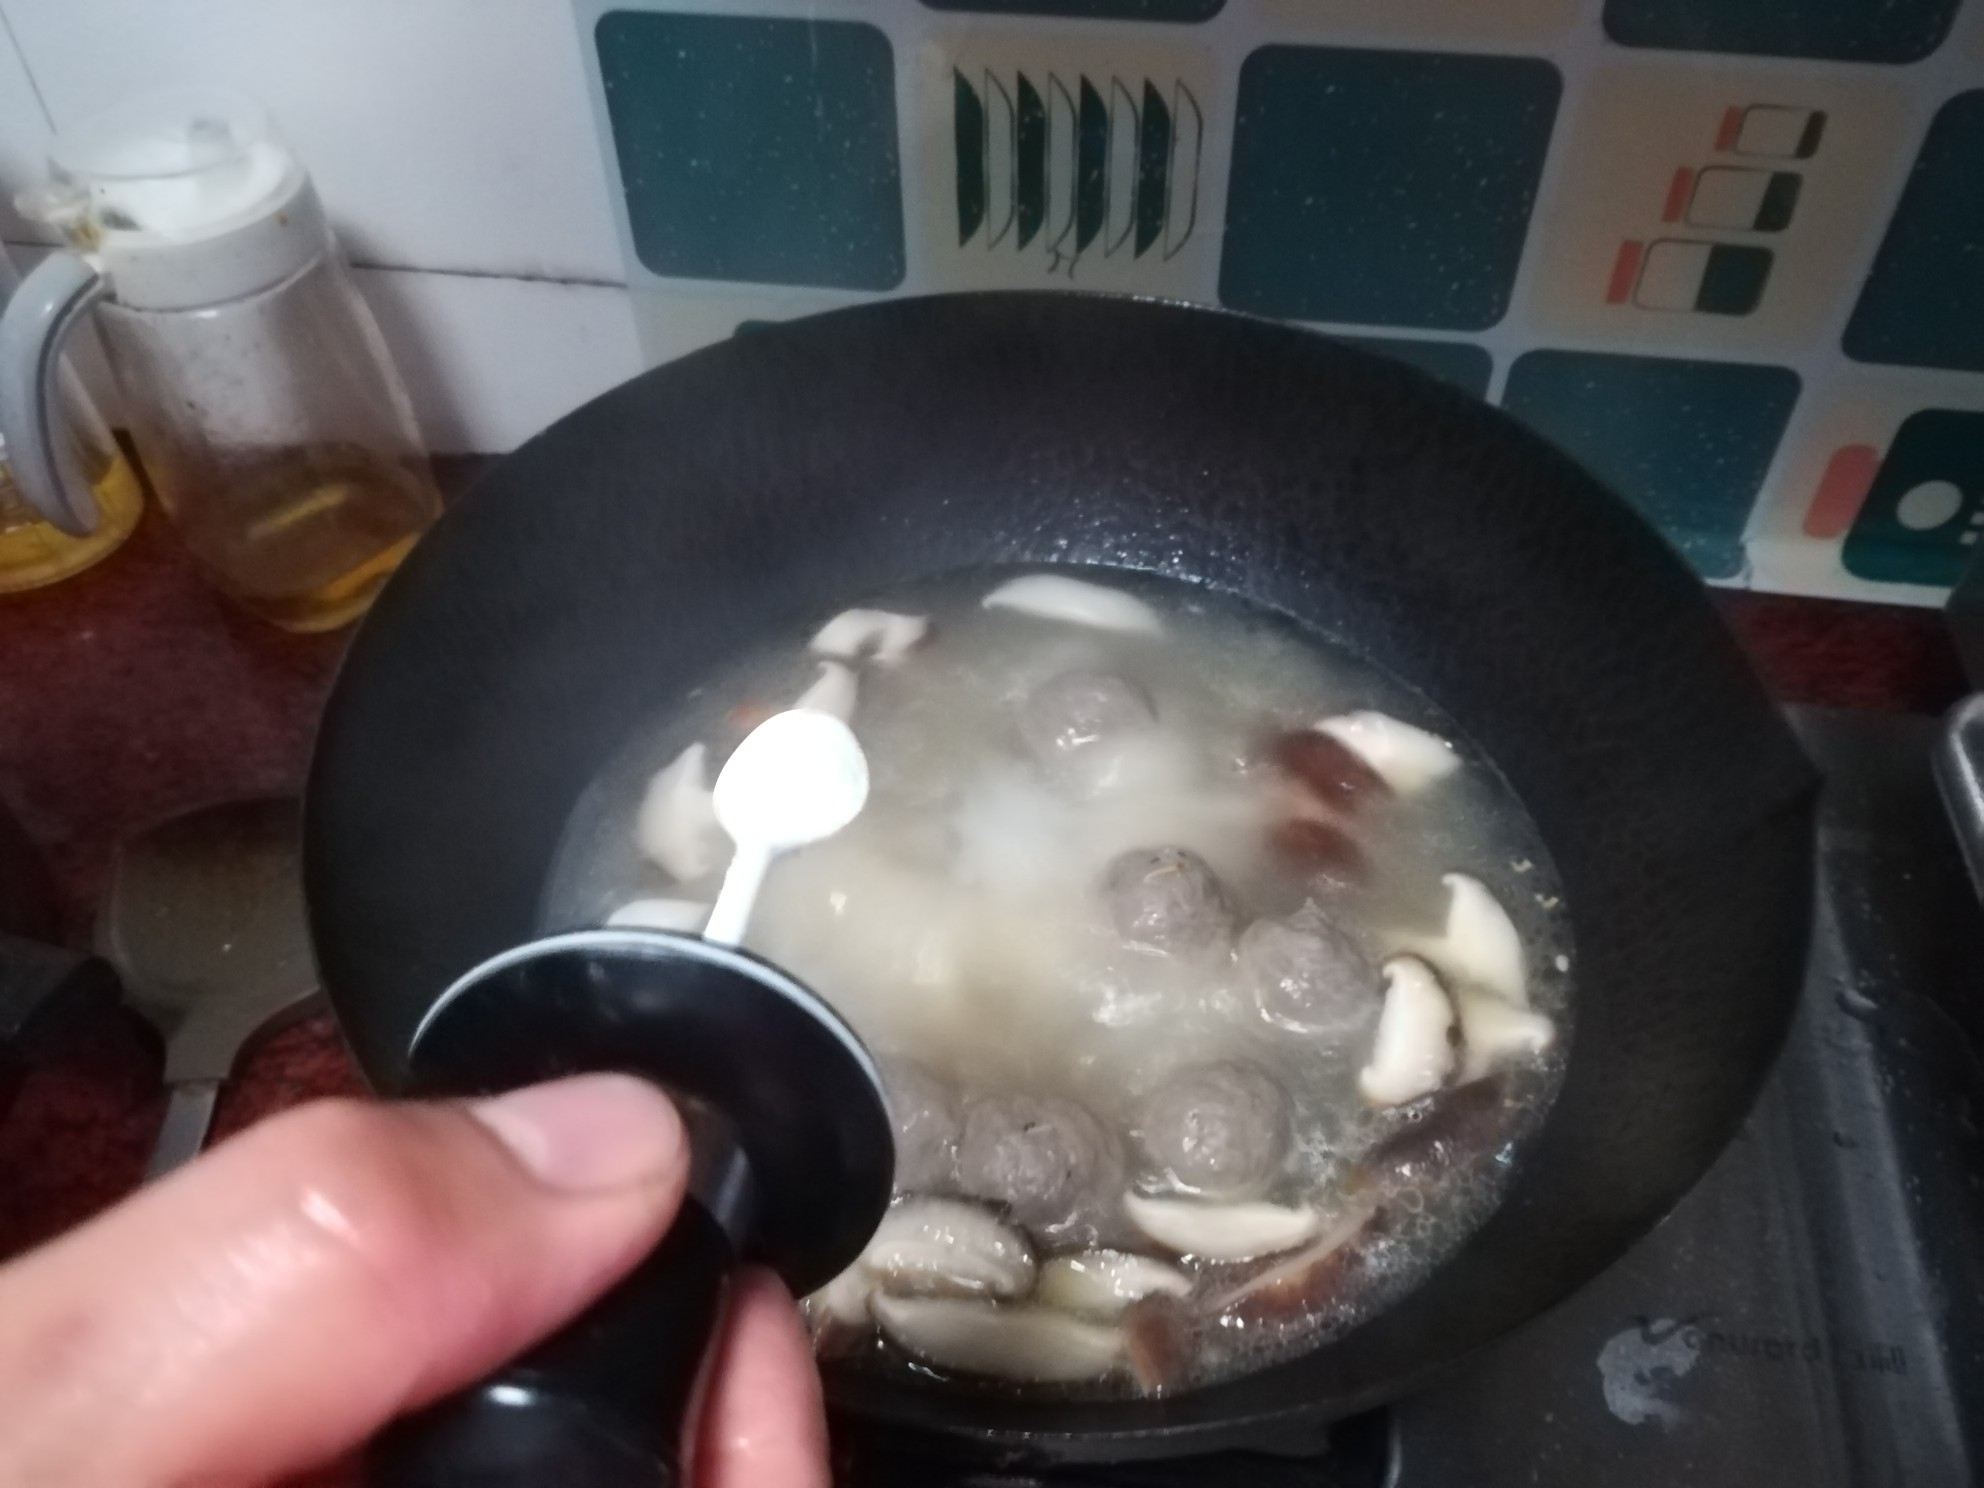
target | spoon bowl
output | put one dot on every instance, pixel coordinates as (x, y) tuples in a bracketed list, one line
[(798, 777)]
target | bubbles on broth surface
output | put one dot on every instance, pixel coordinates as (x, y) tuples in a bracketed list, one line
[(959, 923)]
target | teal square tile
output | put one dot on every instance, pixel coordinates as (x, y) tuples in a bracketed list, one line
[(1687, 442), (1733, 283), (1923, 517), (1923, 303), (1842, 30), (756, 150), (1383, 188)]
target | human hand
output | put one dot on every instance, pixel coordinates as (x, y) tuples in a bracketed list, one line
[(267, 1308)]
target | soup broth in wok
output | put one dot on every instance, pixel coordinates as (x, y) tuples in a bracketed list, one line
[(1216, 980)]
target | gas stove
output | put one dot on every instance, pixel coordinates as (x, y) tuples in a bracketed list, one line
[(1813, 1313)]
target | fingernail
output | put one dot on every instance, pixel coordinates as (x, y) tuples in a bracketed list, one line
[(589, 1134)]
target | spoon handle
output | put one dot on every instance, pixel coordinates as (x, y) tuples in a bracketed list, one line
[(187, 1116), (734, 901)]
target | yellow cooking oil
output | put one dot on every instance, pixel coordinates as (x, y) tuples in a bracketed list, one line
[(303, 537), (33, 553)]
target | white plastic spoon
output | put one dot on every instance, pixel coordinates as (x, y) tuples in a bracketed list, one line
[(798, 777)]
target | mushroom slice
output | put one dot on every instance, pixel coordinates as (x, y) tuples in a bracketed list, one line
[(1027, 1345), (1104, 1283), (1412, 1054), (875, 635), (1157, 1343), (1328, 771), (837, 1314), (1453, 1127), (833, 691), (661, 914), (677, 827), (942, 1247), (1479, 944), (1408, 759), (843, 1300), (1493, 1031), (1075, 602), (1221, 1232), (1305, 1279)]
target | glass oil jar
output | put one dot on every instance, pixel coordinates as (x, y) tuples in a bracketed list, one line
[(260, 396)]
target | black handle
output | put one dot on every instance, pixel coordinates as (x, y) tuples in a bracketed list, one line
[(790, 1164), (602, 1404)]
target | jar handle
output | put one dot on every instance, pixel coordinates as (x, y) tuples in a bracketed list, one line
[(39, 316)]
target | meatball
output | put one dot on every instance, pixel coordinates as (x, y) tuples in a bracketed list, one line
[(1166, 900), (1217, 1129), (1073, 726), (925, 1115), (1050, 1162), (1307, 976)]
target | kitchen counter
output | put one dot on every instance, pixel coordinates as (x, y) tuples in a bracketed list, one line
[(132, 693)]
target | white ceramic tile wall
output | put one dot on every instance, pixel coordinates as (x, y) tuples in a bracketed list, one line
[(23, 134), (444, 133), (491, 361), (452, 141)]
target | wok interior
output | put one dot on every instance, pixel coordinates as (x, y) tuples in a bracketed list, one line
[(595, 575)]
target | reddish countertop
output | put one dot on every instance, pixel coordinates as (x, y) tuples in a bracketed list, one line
[(131, 693)]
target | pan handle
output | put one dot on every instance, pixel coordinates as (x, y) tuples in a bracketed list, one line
[(1960, 773), (607, 1401)]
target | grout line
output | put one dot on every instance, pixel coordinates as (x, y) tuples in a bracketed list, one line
[(34, 85), (575, 281)]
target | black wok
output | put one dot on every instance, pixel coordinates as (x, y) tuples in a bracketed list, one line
[(595, 574)]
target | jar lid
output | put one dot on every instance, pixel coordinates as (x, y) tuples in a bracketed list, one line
[(182, 199)]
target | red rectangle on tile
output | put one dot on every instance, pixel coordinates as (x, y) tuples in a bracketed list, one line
[(1849, 476), (1732, 125), (1625, 269), (1677, 195)]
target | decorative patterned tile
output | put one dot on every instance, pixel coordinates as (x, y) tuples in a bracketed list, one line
[(1446, 22), (1381, 187), (1924, 513), (1383, 168), (1100, 10), (1844, 30), (756, 150), (1687, 442), (1063, 162), (1707, 206), (1879, 491), (1923, 304)]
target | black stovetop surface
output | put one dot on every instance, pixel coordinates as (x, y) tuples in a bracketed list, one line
[(1813, 1313)]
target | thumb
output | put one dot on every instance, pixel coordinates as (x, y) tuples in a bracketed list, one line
[(278, 1300)]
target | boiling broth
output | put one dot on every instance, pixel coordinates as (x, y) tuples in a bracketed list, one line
[(1038, 995)]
